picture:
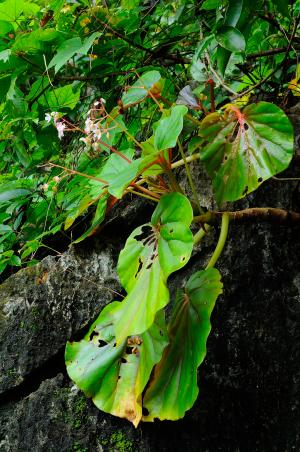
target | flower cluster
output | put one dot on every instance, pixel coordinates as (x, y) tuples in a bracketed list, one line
[(95, 125), (60, 126)]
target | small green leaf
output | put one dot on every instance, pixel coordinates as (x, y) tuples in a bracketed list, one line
[(15, 261), (115, 375), (210, 4), (4, 55), (169, 128), (140, 89), (223, 57), (230, 38), (244, 149), (173, 388)]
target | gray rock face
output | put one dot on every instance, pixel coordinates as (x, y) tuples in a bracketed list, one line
[(43, 306), (249, 383)]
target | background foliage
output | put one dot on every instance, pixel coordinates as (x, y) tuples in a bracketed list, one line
[(61, 56)]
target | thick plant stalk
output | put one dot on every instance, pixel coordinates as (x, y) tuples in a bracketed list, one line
[(221, 242)]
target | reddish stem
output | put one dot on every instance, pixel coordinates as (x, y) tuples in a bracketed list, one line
[(211, 84), (115, 151)]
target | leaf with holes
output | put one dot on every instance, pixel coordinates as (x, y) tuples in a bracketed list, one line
[(140, 89), (152, 252), (115, 375), (173, 388), (245, 148)]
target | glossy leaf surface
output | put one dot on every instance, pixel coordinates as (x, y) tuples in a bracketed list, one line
[(151, 253), (173, 388), (115, 375), (230, 38), (242, 153)]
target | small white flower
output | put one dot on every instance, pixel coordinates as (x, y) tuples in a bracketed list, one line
[(48, 117), (60, 126), (56, 179), (45, 187), (97, 133), (89, 125), (86, 140), (103, 100), (96, 103), (55, 115)]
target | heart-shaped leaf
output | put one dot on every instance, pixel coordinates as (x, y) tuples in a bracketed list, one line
[(245, 148), (152, 252), (173, 388), (115, 375)]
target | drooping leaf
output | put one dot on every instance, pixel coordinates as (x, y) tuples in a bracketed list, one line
[(12, 194), (69, 48), (233, 12), (173, 388), (236, 12), (230, 38), (140, 89), (97, 220), (115, 375), (244, 149), (169, 128), (151, 253)]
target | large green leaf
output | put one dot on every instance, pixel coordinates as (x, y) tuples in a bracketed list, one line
[(244, 149), (173, 388), (115, 375), (10, 10), (64, 97), (119, 172), (152, 252), (140, 89), (233, 12), (69, 48), (169, 128), (37, 40)]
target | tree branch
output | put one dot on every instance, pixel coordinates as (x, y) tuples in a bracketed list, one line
[(253, 56), (268, 214)]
